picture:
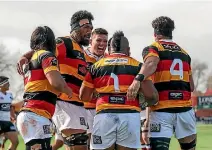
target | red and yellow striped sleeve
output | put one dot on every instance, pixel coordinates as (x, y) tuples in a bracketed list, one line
[(150, 51), (49, 63)]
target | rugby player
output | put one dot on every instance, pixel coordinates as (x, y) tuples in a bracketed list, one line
[(118, 119), (7, 128), (95, 52), (171, 68), (42, 84), (70, 114)]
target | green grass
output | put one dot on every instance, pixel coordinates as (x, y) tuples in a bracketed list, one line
[(204, 137)]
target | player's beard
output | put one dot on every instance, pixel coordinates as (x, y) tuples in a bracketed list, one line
[(84, 42)]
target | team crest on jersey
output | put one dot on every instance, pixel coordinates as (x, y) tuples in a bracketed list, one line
[(82, 70)]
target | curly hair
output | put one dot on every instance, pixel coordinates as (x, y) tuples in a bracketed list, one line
[(116, 40), (163, 26), (79, 15), (99, 31), (43, 38)]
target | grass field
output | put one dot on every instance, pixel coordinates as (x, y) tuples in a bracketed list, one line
[(204, 137)]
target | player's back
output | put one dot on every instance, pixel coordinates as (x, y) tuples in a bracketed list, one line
[(172, 77), (112, 76), (39, 95)]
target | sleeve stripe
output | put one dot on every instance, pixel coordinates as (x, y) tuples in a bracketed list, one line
[(51, 68)]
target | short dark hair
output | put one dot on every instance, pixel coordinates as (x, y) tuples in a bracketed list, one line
[(99, 31), (79, 15), (163, 26), (43, 38), (116, 40), (3, 78)]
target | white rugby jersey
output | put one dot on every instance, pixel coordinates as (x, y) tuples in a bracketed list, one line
[(5, 103)]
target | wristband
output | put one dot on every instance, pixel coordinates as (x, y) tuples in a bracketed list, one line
[(144, 130), (139, 77)]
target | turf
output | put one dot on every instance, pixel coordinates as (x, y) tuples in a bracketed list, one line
[(204, 137)]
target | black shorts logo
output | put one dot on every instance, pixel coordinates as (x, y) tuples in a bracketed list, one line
[(155, 127), (82, 121), (46, 129), (97, 139)]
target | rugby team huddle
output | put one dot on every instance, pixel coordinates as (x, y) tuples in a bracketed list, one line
[(95, 99)]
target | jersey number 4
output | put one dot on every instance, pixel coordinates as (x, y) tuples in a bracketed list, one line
[(178, 72)]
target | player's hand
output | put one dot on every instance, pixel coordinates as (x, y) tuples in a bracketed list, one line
[(69, 92), (132, 91), (145, 132), (20, 65), (95, 94)]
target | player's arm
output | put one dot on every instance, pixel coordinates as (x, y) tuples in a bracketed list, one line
[(151, 60), (150, 93), (87, 89), (24, 60), (17, 105), (51, 70)]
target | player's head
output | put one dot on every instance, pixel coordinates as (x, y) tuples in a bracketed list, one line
[(43, 38), (119, 43), (4, 83), (98, 41), (81, 26), (163, 27), (108, 45)]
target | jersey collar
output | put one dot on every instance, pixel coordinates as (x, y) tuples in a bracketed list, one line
[(97, 58)]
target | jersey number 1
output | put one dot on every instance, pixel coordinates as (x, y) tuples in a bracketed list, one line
[(116, 82), (177, 72)]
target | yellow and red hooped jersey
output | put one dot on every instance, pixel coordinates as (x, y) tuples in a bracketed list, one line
[(111, 77), (40, 97), (171, 78)]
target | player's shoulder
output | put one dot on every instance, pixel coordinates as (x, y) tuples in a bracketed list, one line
[(152, 47), (46, 54), (61, 40), (133, 61)]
